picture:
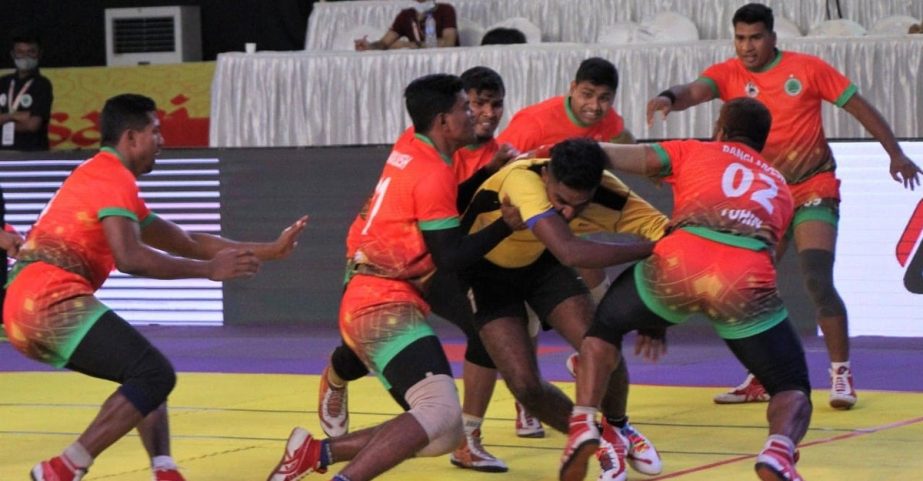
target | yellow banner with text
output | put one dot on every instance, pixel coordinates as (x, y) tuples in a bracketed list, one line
[(182, 93)]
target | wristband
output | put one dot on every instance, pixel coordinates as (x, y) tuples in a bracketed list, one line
[(668, 94)]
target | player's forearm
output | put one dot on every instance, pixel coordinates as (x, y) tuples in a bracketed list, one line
[(208, 245), (452, 250), (589, 254), (874, 123), (627, 158), (146, 262)]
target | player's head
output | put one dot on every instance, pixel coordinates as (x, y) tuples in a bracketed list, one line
[(573, 175), (745, 120), (438, 106), (129, 124), (485, 92), (26, 50), (593, 90), (754, 38)]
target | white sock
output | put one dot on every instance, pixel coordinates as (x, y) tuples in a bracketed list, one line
[(471, 423), (162, 462), (784, 440), (585, 410), (78, 455), (837, 365)]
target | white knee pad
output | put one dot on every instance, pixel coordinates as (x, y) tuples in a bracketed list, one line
[(599, 291), (535, 324), (434, 404)]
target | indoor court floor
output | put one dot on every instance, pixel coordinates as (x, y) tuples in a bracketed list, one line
[(241, 390)]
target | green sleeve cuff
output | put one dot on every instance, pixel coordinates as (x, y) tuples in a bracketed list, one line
[(711, 83), (439, 224), (665, 167), (148, 220), (116, 211), (846, 95)]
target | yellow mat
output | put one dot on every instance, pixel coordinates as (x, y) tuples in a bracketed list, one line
[(229, 427)]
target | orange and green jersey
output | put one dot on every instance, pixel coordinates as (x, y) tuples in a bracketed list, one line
[(552, 121), (725, 191), (466, 160), (792, 87), (66, 258), (614, 208), (387, 256)]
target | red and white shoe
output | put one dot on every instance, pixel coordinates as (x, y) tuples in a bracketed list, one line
[(750, 391), (472, 455), (582, 442), (332, 407), (642, 455), (527, 425), (302, 457), (168, 475), (612, 454), (776, 462), (58, 468), (842, 391)]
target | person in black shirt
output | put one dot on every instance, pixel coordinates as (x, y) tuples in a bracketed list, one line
[(25, 98)]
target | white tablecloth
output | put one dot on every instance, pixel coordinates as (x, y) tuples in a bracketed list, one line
[(273, 99), (580, 20)]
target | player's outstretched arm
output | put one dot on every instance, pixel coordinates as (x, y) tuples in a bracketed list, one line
[(678, 98), (902, 168), (573, 251), (132, 256), (633, 159), (169, 237)]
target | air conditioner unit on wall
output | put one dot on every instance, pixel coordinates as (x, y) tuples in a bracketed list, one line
[(136, 36)]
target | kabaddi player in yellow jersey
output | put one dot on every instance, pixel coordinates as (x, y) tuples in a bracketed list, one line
[(559, 198), (792, 86)]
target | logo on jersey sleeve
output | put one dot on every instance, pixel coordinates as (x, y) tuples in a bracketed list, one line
[(751, 90), (399, 160), (793, 86)]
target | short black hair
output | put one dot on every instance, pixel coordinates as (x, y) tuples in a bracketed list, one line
[(429, 96), (25, 35), (503, 36), (482, 78), (752, 13), (124, 112), (598, 71), (745, 120), (578, 163)]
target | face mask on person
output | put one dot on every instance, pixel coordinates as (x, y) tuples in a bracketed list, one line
[(422, 7), (26, 63)]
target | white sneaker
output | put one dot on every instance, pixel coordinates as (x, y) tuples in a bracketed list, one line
[(642, 456), (612, 453), (472, 455), (332, 407), (750, 391), (527, 425), (842, 391)]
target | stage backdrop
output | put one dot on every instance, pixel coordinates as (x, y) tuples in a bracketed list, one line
[(182, 93)]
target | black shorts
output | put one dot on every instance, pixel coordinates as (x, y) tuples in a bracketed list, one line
[(501, 292), (419, 360), (775, 356)]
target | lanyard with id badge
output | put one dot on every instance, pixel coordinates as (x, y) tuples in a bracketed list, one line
[(9, 128)]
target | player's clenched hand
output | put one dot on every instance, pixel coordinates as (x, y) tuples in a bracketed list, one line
[(288, 239), (651, 344), (904, 170), (658, 104), (504, 154), (511, 214), (10, 242), (233, 263)]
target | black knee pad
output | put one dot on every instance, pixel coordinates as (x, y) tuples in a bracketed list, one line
[(149, 381), (817, 269), (347, 364)]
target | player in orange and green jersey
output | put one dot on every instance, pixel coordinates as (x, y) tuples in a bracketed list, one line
[(585, 112), (792, 85), (97, 221), (407, 230), (731, 208)]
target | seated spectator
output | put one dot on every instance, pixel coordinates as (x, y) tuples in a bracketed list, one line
[(502, 36), (409, 28)]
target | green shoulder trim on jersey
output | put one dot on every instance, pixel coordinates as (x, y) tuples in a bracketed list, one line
[(427, 141), (729, 239), (116, 211), (113, 152), (571, 115), (846, 95), (474, 146), (665, 167), (711, 83), (751, 327), (772, 63), (148, 220), (439, 224), (652, 303)]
